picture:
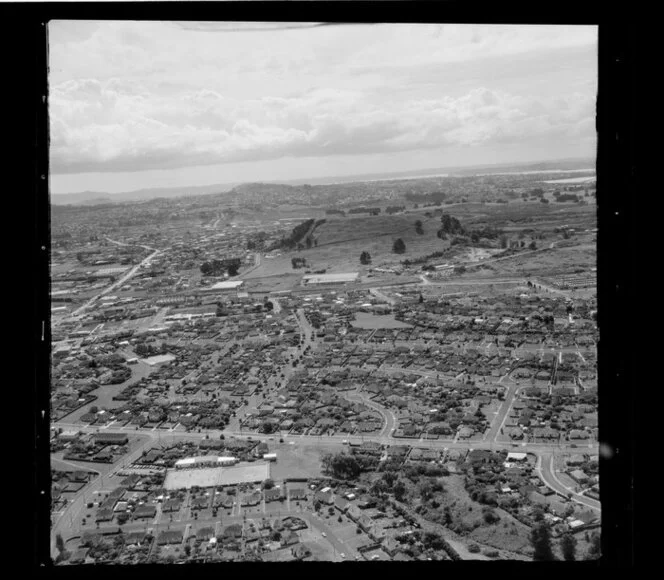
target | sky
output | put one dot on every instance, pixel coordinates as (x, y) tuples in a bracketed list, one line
[(136, 105)]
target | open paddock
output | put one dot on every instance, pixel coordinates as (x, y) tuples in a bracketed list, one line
[(300, 460)]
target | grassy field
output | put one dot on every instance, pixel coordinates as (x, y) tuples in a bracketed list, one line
[(341, 240), (299, 460), (508, 534), (544, 263)]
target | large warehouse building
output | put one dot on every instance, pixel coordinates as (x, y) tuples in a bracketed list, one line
[(204, 461), (226, 286), (341, 278)]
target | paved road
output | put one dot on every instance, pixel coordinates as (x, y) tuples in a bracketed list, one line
[(543, 451), (76, 313), (499, 420), (545, 469), (339, 545), (378, 294), (78, 503), (388, 416), (336, 440)]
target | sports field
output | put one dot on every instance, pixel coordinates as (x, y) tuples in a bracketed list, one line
[(216, 476)]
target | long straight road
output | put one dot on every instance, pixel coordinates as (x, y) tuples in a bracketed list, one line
[(76, 313), (499, 420), (73, 510), (544, 452), (337, 440)]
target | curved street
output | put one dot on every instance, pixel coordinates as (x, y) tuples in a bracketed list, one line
[(546, 471)]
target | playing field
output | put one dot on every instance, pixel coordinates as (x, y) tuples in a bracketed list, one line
[(216, 476)]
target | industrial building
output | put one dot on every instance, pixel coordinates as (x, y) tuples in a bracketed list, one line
[(226, 286), (341, 278), (204, 461)]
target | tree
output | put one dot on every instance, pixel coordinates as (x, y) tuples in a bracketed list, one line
[(418, 227), (540, 539), (533, 245), (503, 242), (595, 549), (450, 225), (432, 540), (425, 490), (341, 465), (399, 247), (399, 490), (365, 258), (59, 543), (568, 547)]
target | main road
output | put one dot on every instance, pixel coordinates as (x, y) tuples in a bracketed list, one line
[(544, 452), (78, 503), (336, 440), (76, 313)]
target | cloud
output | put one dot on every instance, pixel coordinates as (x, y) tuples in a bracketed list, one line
[(129, 97), (110, 127)]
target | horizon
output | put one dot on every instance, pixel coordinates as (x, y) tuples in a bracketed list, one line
[(323, 180), (262, 103)]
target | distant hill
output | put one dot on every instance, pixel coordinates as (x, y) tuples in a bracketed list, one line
[(96, 197), (288, 186)]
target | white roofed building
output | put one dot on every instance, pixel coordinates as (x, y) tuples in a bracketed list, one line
[(226, 285), (341, 278)]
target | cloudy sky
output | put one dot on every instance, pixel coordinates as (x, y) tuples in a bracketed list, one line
[(165, 104)]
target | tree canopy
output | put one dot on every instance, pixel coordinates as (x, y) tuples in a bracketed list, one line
[(341, 465), (540, 538), (399, 247), (568, 547)]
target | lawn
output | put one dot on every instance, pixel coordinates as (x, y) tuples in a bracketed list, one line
[(320, 550), (298, 461)]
